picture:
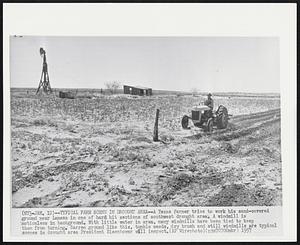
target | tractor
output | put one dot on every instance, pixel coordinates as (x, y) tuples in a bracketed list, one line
[(203, 117)]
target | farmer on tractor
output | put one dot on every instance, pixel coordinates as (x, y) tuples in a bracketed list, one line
[(210, 103)]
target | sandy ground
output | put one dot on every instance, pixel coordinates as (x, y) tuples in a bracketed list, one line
[(58, 162)]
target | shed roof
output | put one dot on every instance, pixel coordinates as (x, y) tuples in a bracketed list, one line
[(139, 87)]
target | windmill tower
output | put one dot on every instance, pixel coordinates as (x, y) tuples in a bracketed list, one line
[(44, 81)]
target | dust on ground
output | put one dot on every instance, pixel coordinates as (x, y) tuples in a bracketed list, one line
[(100, 152)]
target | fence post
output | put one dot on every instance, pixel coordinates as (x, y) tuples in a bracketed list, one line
[(155, 133)]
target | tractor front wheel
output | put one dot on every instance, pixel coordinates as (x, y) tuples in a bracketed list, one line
[(185, 122)]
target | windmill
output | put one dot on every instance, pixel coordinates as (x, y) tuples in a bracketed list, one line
[(44, 81)]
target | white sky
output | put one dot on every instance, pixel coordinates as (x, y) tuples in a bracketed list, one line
[(216, 64)]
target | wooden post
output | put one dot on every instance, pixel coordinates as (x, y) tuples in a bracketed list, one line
[(155, 134)]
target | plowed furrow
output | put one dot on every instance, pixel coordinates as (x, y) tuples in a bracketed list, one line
[(243, 125), (244, 131), (252, 116), (255, 120)]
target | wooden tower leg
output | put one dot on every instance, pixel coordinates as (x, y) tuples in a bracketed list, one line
[(41, 83)]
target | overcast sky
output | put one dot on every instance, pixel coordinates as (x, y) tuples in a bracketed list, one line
[(216, 64)]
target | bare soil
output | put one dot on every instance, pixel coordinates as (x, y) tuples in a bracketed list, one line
[(63, 162)]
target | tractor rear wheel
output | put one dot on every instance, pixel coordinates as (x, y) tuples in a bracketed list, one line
[(185, 122), (222, 117)]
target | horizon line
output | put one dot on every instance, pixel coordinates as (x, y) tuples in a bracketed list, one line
[(182, 91)]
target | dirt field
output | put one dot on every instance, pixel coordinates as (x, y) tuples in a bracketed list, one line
[(98, 151)]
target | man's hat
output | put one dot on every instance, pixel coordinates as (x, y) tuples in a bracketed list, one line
[(209, 94)]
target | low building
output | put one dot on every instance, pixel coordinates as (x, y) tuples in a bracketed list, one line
[(66, 95), (137, 90)]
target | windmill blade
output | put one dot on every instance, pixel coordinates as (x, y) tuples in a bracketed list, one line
[(42, 51)]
